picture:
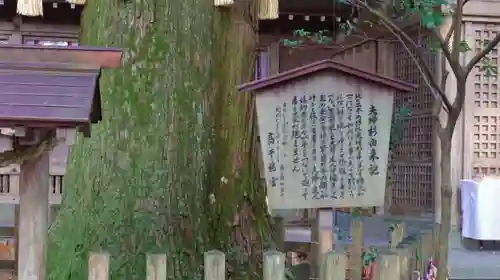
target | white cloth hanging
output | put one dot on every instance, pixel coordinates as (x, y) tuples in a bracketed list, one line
[(481, 209)]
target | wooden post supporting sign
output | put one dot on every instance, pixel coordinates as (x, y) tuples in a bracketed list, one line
[(33, 218)]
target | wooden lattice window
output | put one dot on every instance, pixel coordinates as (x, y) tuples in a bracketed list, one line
[(412, 175), (4, 183), (485, 108), (56, 184)]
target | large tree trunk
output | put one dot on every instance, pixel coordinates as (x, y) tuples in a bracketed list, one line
[(153, 176)]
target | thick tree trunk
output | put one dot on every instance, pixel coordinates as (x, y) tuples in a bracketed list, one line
[(171, 166)]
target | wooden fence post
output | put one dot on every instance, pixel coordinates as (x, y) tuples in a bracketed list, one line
[(355, 258), (404, 263), (98, 266), (334, 266), (215, 265), (425, 249), (279, 232), (274, 266), (157, 267), (387, 267)]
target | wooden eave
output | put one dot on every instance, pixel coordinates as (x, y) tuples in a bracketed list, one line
[(48, 95), (324, 66), (53, 87), (93, 56)]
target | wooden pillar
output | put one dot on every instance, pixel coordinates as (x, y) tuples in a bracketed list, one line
[(356, 260), (387, 267), (33, 218), (279, 233), (322, 236), (315, 247), (16, 234)]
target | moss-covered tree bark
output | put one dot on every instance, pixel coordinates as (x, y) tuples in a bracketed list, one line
[(171, 168)]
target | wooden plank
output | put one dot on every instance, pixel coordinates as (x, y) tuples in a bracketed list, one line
[(16, 234), (404, 263), (7, 231), (334, 266), (315, 256), (157, 267), (33, 218), (274, 58), (7, 265), (279, 233), (102, 57), (387, 267), (425, 250), (355, 258), (54, 199), (98, 266), (274, 266), (215, 265)]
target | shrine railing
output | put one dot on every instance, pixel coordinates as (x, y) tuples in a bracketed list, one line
[(9, 189)]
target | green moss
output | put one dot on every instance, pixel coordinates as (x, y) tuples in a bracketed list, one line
[(173, 125)]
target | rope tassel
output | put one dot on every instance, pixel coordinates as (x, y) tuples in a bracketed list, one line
[(30, 8), (223, 3), (77, 2), (268, 9)]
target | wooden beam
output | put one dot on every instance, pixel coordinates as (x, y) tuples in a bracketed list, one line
[(54, 199), (101, 57), (33, 218), (7, 265), (7, 231)]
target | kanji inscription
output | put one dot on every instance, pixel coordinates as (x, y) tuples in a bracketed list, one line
[(325, 149)]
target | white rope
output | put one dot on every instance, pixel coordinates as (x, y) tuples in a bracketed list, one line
[(31, 8), (77, 2)]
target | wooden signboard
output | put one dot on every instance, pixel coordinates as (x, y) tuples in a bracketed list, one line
[(324, 131)]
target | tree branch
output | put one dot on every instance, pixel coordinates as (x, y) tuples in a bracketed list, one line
[(481, 54), (454, 63), (416, 56), (447, 38), (457, 32)]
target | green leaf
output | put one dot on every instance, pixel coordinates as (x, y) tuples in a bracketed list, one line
[(291, 43), (428, 20), (301, 33), (463, 46), (438, 18), (404, 111)]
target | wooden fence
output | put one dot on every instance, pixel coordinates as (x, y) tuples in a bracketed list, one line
[(215, 266), (403, 259)]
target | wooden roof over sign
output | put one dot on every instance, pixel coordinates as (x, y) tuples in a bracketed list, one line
[(52, 87), (330, 65)]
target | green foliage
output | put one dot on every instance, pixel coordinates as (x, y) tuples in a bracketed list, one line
[(487, 67), (426, 10), (149, 179)]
